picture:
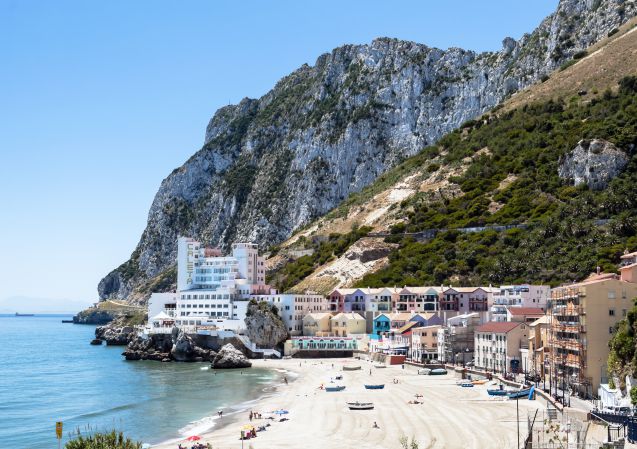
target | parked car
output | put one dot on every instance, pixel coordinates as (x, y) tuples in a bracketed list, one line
[(618, 410)]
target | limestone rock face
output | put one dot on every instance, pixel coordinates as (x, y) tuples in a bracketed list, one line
[(230, 357), (271, 165), (185, 349), (593, 162), (264, 327)]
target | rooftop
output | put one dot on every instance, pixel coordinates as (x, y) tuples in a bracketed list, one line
[(517, 311), (498, 327)]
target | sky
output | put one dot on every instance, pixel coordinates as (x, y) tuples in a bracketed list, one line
[(99, 101)]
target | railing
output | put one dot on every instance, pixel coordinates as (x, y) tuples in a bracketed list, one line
[(253, 347)]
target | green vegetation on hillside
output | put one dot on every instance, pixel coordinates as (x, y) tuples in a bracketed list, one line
[(563, 241), (622, 359), (324, 251)]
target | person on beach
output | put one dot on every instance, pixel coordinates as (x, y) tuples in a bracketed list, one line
[(375, 426), (285, 379), (250, 415)]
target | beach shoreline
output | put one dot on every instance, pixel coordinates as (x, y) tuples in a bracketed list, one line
[(232, 413), (451, 416)]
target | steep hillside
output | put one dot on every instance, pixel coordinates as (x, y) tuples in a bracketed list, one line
[(272, 165), (519, 170), (428, 174)]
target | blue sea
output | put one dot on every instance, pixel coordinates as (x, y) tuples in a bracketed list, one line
[(49, 373)]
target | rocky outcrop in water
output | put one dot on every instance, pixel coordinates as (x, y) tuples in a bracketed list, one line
[(230, 357), (594, 163), (264, 327), (116, 333), (271, 165), (177, 346), (95, 316)]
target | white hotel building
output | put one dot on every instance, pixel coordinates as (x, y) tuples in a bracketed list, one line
[(214, 290)]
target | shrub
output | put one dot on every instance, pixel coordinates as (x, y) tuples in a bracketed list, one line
[(110, 440), (580, 54)]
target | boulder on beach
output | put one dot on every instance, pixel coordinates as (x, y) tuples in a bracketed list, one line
[(230, 357)]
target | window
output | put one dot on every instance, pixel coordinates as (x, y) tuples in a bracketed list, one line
[(611, 312), (623, 312), (611, 294)]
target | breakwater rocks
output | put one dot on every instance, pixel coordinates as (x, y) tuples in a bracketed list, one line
[(230, 357)]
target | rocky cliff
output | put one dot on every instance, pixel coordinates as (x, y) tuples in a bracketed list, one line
[(264, 326), (271, 165), (594, 163)]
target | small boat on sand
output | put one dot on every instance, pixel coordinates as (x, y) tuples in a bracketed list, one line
[(438, 372), (466, 384), (519, 393), (380, 366), (360, 405), (374, 386), (497, 392), (479, 381), (351, 368), (335, 388), (424, 371)]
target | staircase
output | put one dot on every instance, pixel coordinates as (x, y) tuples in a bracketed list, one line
[(252, 347)]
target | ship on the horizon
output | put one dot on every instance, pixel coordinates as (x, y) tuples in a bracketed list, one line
[(24, 314)]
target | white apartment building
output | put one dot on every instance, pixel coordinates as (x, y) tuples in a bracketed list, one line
[(498, 346), (211, 289), (524, 295)]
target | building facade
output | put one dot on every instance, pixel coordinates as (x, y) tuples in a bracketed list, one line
[(424, 343), (524, 295), (582, 318), (497, 346)]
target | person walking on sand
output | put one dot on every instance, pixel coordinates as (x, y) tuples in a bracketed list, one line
[(285, 379), (250, 415)]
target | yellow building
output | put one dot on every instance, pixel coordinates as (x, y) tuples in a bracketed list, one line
[(317, 324), (538, 346), (346, 324), (424, 343), (582, 318)]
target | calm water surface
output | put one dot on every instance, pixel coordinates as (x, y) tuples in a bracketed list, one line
[(49, 372)]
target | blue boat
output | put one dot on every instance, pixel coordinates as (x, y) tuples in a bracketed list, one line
[(497, 392), (375, 387), (336, 388), (466, 384), (519, 393)]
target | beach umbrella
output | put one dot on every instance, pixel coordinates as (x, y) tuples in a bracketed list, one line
[(247, 427), (193, 438), (280, 412)]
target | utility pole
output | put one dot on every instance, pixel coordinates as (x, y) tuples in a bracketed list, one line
[(517, 414)]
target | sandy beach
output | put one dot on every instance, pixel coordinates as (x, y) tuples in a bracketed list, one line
[(451, 416)]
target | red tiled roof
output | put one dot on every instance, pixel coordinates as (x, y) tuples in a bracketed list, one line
[(526, 311), (499, 327)]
